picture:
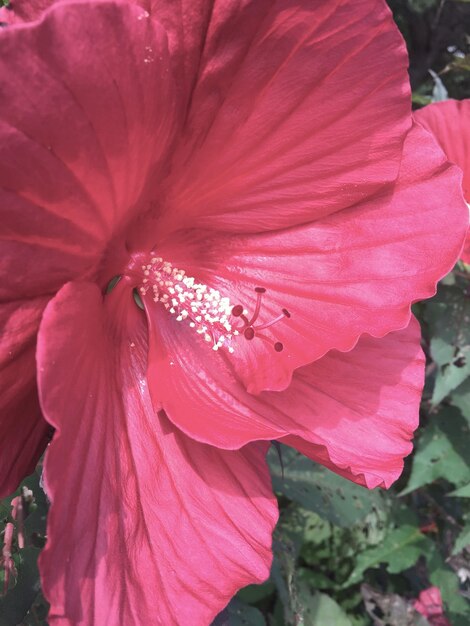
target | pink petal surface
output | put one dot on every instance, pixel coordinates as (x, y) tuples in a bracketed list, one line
[(305, 336), (69, 176), (237, 60), (79, 137), (275, 138), (354, 412), (364, 406), (449, 122), (24, 11), (356, 271), (146, 525), (23, 432), (430, 605)]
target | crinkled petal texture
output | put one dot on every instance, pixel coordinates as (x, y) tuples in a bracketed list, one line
[(355, 271), (78, 140), (23, 432), (362, 406), (285, 179), (249, 78), (146, 525), (352, 271), (449, 122), (274, 137), (20, 12), (354, 412)]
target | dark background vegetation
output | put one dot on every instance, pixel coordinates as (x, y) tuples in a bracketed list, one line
[(345, 556)]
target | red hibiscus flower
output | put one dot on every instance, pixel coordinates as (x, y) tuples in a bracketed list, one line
[(215, 213), (449, 122), (430, 605)]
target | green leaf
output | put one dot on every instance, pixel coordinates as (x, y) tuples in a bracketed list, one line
[(317, 489), (319, 609), (463, 540), (441, 451), (400, 549), (461, 399), (256, 593), (463, 492), (448, 316), (449, 375), (446, 579), (240, 614)]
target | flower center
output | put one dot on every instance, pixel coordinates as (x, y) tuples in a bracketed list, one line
[(206, 310)]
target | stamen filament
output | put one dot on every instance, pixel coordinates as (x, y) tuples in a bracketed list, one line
[(271, 323), (259, 296), (209, 313)]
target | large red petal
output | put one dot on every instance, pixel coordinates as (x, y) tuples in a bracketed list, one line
[(146, 525), (362, 407), (355, 272), (23, 432), (87, 115), (200, 391), (449, 122), (299, 109), (355, 411), (23, 11)]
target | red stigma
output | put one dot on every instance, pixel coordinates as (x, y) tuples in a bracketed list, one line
[(248, 327), (249, 333)]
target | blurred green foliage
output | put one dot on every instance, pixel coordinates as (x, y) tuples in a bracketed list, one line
[(345, 556), (21, 601), (437, 34)]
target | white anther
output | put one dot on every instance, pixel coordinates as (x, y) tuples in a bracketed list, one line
[(204, 308)]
